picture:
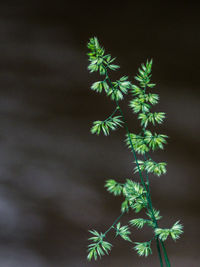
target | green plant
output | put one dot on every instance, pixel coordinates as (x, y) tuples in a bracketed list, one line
[(136, 194)]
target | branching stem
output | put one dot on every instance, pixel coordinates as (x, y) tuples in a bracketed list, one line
[(118, 218), (142, 180)]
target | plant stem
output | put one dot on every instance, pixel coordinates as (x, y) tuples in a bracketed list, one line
[(113, 224), (159, 252), (112, 114), (165, 254)]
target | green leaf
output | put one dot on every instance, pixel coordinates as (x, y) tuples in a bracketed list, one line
[(143, 249), (151, 85), (99, 247), (113, 187), (162, 233), (123, 231), (152, 167), (97, 86), (144, 75), (135, 194), (159, 117), (176, 230), (155, 141), (139, 204), (137, 141), (119, 88), (155, 213), (136, 90), (138, 105), (151, 117), (113, 67), (152, 98), (125, 206), (106, 246), (105, 126), (133, 190), (139, 222)]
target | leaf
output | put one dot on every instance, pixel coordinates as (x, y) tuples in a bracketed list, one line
[(162, 233), (99, 247), (123, 231), (137, 143), (155, 141), (125, 206), (114, 187), (113, 67), (136, 90), (138, 105), (152, 98), (97, 86), (176, 230), (143, 249), (144, 75), (152, 167), (155, 213), (139, 204), (139, 222), (105, 126), (159, 117), (106, 246)]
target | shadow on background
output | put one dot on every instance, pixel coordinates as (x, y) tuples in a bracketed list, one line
[(52, 170)]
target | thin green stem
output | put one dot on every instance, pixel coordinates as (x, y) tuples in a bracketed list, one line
[(113, 224), (165, 255), (116, 109), (159, 252)]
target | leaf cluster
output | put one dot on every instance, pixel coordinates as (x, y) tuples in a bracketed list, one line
[(151, 166), (123, 231), (143, 248), (98, 60), (144, 75), (174, 232), (113, 187), (135, 194), (99, 247), (105, 126), (144, 143)]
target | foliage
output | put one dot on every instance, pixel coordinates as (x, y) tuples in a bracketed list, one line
[(136, 195), (114, 187), (105, 126), (123, 231), (175, 232), (99, 247), (143, 249), (151, 166)]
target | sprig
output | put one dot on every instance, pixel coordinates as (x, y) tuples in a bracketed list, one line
[(174, 232), (143, 248), (123, 231), (136, 195), (105, 126), (99, 248), (113, 187), (151, 166), (139, 222)]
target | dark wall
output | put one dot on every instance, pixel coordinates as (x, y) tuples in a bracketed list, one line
[(52, 170)]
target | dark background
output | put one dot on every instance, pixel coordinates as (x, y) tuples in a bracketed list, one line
[(52, 169)]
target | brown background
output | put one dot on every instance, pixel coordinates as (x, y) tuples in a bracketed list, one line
[(52, 169)]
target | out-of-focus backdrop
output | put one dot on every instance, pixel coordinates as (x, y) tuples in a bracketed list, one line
[(52, 170)]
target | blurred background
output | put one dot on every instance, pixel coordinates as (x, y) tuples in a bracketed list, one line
[(52, 170)]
